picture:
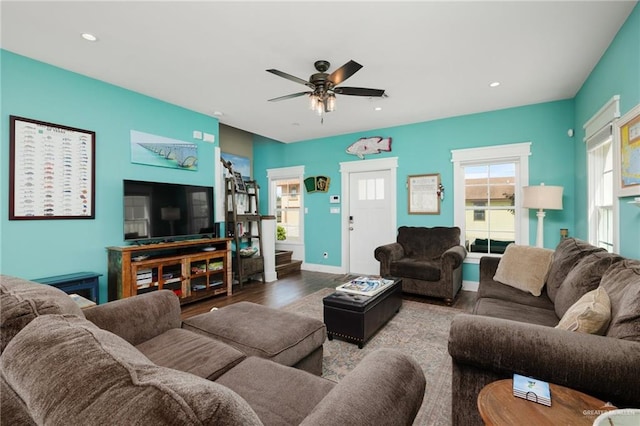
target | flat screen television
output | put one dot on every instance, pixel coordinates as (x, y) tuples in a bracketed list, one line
[(166, 211)]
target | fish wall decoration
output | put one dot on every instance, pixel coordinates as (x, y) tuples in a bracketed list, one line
[(371, 145)]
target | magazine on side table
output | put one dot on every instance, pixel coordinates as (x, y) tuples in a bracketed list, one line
[(365, 286)]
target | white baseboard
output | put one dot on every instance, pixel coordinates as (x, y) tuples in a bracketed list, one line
[(270, 276), (322, 268), (470, 285)]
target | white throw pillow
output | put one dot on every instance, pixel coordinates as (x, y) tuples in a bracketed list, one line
[(590, 314), (524, 268)]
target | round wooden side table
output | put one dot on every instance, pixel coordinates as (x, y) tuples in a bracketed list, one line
[(498, 406)]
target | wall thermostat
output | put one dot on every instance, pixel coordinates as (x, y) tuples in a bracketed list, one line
[(334, 199)]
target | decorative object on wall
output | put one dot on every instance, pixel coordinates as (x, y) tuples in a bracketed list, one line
[(239, 164), (441, 191), (317, 184), (627, 153), (153, 150), (51, 171), (424, 193), (371, 145), (542, 197)]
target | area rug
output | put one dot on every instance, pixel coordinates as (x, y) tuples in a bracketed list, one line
[(419, 329)]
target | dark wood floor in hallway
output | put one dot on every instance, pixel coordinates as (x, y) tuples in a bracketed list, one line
[(295, 286)]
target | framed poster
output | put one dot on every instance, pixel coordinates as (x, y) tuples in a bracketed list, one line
[(423, 194), (51, 171), (153, 150), (627, 153)]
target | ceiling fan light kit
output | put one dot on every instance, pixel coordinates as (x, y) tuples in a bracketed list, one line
[(322, 97)]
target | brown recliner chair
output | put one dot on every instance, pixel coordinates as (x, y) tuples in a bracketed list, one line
[(429, 261)]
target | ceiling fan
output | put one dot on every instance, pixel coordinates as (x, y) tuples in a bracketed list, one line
[(324, 88)]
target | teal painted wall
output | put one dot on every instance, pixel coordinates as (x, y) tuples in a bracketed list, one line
[(31, 89), (617, 73), (426, 148)]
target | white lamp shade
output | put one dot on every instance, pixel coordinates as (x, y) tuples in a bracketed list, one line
[(542, 197)]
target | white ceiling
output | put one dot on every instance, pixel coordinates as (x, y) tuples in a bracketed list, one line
[(434, 59)]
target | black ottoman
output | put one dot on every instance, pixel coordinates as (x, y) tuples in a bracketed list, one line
[(357, 318)]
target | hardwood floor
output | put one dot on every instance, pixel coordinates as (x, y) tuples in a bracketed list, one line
[(295, 286)]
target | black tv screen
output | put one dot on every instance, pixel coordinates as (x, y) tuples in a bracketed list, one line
[(155, 210)]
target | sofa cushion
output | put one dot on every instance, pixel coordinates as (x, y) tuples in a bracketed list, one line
[(427, 243), (622, 283), (21, 301), (497, 290), (524, 268), (279, 395), (590, 314), (418, 269), (584, 277), (69, 371), (257, 330), (191, 352), (567, 254), (505, 309)]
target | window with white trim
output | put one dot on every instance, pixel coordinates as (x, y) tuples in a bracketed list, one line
[(286, 202), (600, 186), (487, 185), (601, 190)]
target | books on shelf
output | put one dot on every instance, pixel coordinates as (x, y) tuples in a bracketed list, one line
[(531, 389), (365, 286), (144, 277)]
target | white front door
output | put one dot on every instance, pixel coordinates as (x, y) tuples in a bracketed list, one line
[(370, 218)]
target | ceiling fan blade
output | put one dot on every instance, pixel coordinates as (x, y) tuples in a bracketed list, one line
[(344, 72), (359, 91), (292, 78), (293, 95)]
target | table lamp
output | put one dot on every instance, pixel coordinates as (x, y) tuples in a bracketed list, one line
[(542, 197)]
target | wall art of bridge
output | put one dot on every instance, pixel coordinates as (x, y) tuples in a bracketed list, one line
[(184, 154)]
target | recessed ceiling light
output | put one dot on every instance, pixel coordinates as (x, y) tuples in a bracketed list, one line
[(89, 37), (218, 113), (377, 109), (494, 84)]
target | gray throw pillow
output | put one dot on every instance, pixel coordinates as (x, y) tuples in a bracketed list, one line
[(567, 254), (583, 278)]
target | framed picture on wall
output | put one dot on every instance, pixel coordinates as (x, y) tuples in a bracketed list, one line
[(423, 194), (51, 171), (627, 153)]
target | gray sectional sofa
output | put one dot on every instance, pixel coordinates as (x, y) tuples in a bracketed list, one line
[(512, 331), (143, 367)]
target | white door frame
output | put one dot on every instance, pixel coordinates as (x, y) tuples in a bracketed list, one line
[(348, 167)]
